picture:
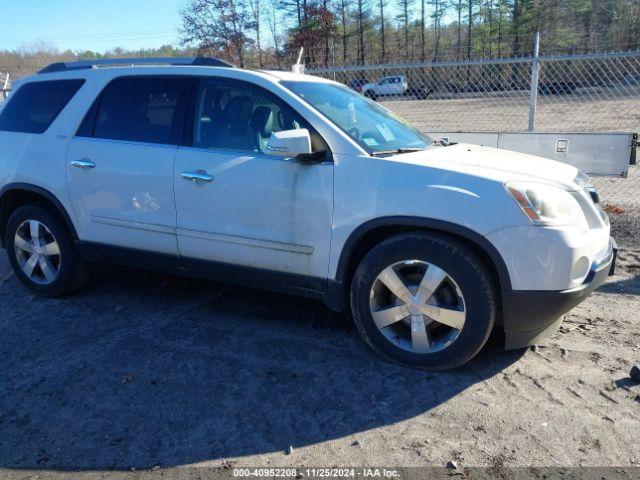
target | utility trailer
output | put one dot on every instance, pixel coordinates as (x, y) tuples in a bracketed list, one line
[(596, 154)]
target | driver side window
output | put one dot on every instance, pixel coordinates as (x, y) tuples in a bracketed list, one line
[(232, 115)]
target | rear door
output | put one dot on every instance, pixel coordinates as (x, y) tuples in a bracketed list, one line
[(120, 164)]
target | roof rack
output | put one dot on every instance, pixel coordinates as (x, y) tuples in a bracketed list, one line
[(130, 62)]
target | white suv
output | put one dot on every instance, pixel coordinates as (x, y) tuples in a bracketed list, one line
[(387, 86), (298, 184)]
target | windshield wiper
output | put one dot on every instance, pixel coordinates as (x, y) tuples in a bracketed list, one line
[(397, 150), (443, 141)]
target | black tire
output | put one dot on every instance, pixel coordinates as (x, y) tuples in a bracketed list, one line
[(72, 270), (371, 95), (461, 264)]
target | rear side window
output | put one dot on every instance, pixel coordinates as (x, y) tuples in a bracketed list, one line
[(138, 109), (34, 106)]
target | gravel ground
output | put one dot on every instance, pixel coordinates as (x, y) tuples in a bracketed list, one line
[(143, 369), (589, 110)]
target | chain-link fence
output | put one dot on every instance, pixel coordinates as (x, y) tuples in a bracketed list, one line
[(562, 93), (575, 93)]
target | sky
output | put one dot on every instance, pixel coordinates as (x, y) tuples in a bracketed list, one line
[(97, 25)]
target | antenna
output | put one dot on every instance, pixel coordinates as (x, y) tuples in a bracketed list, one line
[(299, 66)]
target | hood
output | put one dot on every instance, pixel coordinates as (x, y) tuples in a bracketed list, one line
[(493, 164)]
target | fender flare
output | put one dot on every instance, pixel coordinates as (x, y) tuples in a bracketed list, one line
[(17, 186), (336, 293)]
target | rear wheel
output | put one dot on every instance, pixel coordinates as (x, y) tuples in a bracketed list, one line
[(424, 301), (41, 253)]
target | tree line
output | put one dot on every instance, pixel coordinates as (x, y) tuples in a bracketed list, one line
[(270, 33), (266, 33)]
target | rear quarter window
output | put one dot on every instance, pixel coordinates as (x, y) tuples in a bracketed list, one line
[(34, 106)]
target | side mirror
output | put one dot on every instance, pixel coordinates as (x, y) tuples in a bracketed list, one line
[(289, 143)]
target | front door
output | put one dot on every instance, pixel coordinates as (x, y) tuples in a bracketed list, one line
[(120, 165), (237, 205)]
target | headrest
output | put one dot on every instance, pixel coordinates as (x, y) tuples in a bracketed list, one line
[(262, 121), (238, 111)]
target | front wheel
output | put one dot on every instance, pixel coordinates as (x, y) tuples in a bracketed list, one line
[(371, 95), (424, 301)]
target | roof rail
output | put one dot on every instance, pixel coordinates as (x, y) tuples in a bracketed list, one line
[(121, 62)]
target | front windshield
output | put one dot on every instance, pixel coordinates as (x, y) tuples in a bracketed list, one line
[(375, 128)]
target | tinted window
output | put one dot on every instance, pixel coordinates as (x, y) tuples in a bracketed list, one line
[(138, 109), (34, 106), (241, 116)]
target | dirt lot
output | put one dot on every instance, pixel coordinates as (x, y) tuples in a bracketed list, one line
[(143, 369), (588, 110)]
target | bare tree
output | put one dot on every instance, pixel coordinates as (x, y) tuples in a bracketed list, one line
[(218, 27), (343, 18), (403, 16), (459, 8), (272, 20), (256, 13), (469, 25), (326, 6), (501, 8), (360, 25), (439, 9), (292, 7), (383, 53), (515, 22), (423, 27), (489, 21), (314, 34)]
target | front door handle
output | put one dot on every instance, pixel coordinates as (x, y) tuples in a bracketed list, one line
[(199, 176), (84, 164)]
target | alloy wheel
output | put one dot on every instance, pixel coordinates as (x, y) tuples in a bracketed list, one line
[(37, 252), (417, 306)]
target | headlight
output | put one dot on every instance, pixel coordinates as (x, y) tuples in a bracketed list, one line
[(548, 205)]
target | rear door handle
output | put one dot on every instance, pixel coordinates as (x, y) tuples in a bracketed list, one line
[(84, 164), (198, 177)]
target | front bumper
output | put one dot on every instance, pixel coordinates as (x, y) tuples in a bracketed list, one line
[(531, 315)]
